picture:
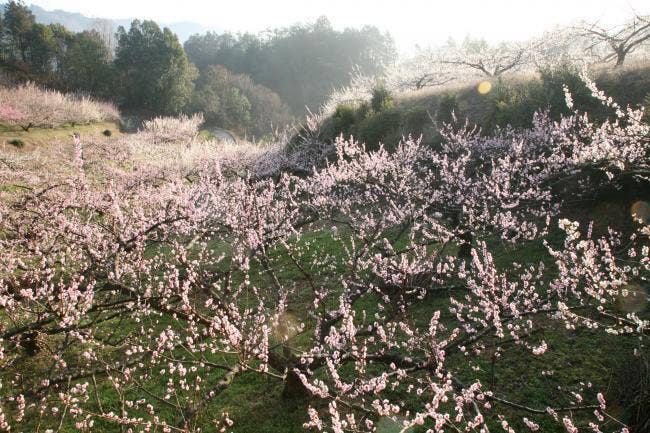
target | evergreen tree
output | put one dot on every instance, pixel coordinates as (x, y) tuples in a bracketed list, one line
[(86, 64), (154, 72), (42, 49), (17, 31)]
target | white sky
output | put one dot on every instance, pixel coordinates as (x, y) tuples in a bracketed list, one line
[(411, 22)]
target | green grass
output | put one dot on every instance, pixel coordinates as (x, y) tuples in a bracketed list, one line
[(43, 136)]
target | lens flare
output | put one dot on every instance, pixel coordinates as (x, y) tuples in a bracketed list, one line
[(641, 211), (484, 87), (389, 425), (632, 299), (288, 326)]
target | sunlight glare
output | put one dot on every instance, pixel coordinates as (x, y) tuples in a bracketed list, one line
[(287, 327), (632, 299), (484, 87), (641, 211)]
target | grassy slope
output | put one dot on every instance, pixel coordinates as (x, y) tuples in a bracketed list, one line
[(511, 100), (44, 136)]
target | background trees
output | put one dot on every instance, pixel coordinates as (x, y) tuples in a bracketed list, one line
[(153, 70), (301, 63), (86, 65), (234, 101)]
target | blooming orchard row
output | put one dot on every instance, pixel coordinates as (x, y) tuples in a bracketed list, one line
[(159, 284), (29, 106)]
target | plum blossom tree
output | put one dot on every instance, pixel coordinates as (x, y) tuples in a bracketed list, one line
[(28, 106), (161, 284), (435, 67), (560, 47), (486, 60), (618, 41)]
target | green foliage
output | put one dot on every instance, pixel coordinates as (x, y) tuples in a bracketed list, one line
[(153, 70), (414, 120), (511, 104), (344, 119), (235, 102), (382, 127), (107, 132), (301, 63), (387, 126), (514, 102), (448, 109), (17, 143), (42, 48), (206, 135), (551, 94), (86, 65), (52, 55), (17, 28), (381, 99)]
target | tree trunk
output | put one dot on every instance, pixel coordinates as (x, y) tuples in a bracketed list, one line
[(620, 58), (293, 386), (465, 250)]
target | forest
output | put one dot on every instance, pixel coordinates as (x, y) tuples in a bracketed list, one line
[(306, 230), (249, 83)]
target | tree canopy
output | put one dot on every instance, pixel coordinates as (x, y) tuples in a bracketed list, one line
[(302, 63), (152, 67)]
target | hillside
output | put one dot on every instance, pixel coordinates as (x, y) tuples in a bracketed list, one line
[(201, 284), (510, 100)]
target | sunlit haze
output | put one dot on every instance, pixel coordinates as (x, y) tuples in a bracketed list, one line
[(411, 22)]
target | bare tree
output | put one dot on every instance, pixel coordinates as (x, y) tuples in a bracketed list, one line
[(487, 60), (106, 29), (559, 47), (423, 70), (619, 41)]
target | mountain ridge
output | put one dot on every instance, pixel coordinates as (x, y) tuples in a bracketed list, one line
[(78, 22)]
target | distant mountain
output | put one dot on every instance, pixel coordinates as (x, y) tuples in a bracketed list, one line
[(78, 22)]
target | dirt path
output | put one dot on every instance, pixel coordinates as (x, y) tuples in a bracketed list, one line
[(223, 135)]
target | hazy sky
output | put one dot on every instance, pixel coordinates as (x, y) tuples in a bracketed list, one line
[(409, 21)]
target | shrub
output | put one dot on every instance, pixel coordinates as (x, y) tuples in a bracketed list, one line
[(511, 104), (381, 99), (415, 120), (382, 127), (344, 119), (107, 132), (17, 143), (206, 135), (447, 109)]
